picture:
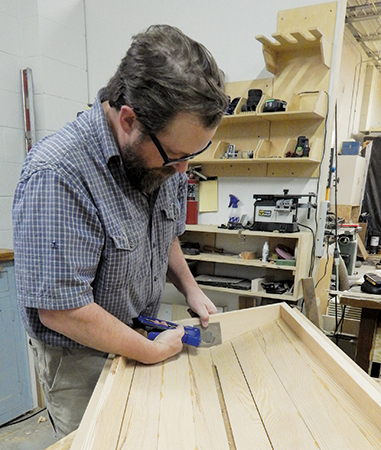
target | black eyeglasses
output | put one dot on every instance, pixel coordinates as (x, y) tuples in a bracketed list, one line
[(169, 161)]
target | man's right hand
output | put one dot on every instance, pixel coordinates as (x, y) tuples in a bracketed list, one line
[(170, 340)]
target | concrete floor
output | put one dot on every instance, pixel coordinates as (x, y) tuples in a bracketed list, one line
[(34, 433)]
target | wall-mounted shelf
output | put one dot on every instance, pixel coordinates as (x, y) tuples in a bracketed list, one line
[(296, 42), (300, 61)]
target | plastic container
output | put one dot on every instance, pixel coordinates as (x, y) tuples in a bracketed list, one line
[(265, 252), (234, 216)]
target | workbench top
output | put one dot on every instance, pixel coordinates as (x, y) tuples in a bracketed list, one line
[(6, 254)]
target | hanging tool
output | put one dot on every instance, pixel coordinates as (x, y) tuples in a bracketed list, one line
[(196, 336)]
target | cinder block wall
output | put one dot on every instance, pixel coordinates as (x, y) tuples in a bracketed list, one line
[(50, 38)]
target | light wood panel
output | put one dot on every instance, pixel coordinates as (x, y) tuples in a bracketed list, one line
[(211, 433), (141, 421), (286, 427), (102, 431), (176, 425), (246, 423), (328, 422), (275, 383)]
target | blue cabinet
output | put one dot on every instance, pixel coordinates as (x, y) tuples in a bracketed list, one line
[(15, 381)]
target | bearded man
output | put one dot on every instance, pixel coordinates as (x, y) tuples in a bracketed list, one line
[(97, 214)]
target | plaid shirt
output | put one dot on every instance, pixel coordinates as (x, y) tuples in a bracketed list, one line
[(82, 233)]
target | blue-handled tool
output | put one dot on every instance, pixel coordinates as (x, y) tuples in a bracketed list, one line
[(192, 335)]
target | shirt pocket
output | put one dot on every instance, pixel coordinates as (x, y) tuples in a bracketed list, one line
[(117, 262), (167, 229)]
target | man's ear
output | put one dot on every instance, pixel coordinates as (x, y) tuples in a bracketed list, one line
[(127, 118)]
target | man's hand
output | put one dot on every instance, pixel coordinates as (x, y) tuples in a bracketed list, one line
[(200, 304), (171, 341), (182, 278)]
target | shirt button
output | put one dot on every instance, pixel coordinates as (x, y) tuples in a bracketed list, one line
[(155, 278)]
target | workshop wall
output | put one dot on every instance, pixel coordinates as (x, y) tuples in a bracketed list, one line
[(48, 37), (228, 32), (371, 104), (73, 47), (11, 136)]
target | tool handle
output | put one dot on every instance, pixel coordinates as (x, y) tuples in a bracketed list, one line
[(209, 248), (192, 335), (190, 338), (153, 335), (151, 322)]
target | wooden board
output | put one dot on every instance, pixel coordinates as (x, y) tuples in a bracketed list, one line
[(276, 382), (6, 255)]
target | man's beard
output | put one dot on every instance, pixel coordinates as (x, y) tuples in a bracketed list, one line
[(140, 176)]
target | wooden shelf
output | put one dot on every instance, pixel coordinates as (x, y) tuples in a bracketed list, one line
[(301, 106), (283, 297), (270, 137), (246, 161), (248, 240), (236, 260), (243, 232)]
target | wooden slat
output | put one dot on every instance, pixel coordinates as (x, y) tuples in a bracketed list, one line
[(283, 422), (176, 426), (357, 415), (309, 394), (341, 368), (313, 311), (103, 429), (140, 426), (246, 424), (66, 442), (208, 419)]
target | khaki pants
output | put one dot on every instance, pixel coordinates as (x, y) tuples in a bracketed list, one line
[(68, 377)]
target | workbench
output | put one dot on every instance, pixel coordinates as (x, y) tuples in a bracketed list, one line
[(276, 382), (370, 305)]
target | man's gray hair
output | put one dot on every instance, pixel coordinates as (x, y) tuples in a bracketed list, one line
[(164, 73)]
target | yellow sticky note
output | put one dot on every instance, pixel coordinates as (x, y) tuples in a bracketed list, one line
[(208, 196)]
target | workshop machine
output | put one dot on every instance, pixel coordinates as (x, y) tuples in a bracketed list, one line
[(279, 212)]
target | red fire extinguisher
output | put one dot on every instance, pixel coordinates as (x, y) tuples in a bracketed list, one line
[(192, 199)]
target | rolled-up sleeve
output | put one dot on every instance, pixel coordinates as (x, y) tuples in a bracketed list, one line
[(58, 241)]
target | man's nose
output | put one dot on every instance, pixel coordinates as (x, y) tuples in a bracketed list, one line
[(181, 167)]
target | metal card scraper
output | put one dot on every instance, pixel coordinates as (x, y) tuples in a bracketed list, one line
[(211, 335), (197, 336)]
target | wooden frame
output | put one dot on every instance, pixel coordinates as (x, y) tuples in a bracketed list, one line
[(275, 382)]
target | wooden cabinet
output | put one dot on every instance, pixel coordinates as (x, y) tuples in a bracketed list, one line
[(229, 263), (15, 383)]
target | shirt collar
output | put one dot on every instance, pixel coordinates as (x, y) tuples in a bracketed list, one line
[(101, 128)]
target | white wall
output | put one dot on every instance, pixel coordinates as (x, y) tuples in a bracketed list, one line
[(226, 28), (11, 137), (74, 46), (48, 37)]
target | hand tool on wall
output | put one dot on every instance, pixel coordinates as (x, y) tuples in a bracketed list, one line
[(196, 336)]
